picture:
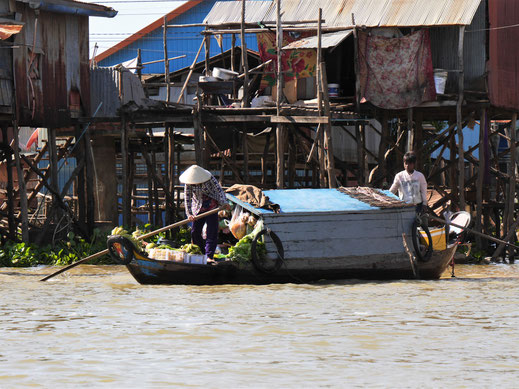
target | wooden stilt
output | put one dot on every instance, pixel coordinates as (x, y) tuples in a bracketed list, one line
[(89, 170), (197, 126), (171, 172), (245, 147), (453, 174), (264, 159), (512, 169), (244, 58), (291, 160), (130, 178), (383, 147), (10, 187), (280, 156), (359, 137), (461, 75), (80, 188), (410, 130), (21, 184), (481, 176), (53, 161), (418, 139), (125, 173)]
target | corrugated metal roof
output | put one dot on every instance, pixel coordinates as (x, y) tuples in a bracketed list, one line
[(338, 13), (327, 40), (230, 12)]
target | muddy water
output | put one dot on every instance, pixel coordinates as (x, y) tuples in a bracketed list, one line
[(95, 326)]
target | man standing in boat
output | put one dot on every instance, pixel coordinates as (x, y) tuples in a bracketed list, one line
[(410, 184), (202, 193)]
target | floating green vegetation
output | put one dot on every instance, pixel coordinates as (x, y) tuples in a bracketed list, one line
[(74, 248)]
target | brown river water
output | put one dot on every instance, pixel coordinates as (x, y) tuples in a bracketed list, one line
[(94, 326)]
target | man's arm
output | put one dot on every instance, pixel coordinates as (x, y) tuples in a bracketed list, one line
[(395, 186), (423, 189)]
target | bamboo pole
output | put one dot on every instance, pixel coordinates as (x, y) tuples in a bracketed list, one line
[(244, 59), (191, 69), (328, 136), (166, 60), (233, 51), (280, 131), (207, 40)]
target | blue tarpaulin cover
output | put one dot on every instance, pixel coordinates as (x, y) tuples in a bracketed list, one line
[(313, 200)]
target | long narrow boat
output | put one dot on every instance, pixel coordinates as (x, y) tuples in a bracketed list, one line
[(320, 234)]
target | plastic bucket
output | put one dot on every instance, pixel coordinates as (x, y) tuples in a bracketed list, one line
[(439, 239), (440, 79), (333, 90)]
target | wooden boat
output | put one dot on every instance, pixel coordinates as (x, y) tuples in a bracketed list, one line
[(320, 234)]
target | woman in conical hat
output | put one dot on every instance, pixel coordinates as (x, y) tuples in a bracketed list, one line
[(202, 193)]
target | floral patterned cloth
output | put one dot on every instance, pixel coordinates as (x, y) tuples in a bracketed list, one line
[(396, 73), (295, 63)]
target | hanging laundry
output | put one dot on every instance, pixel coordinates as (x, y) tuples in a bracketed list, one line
[(396, 73)]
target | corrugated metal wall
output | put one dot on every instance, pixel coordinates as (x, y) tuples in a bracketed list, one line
[(444, 46), (60, 68), (504, 54), (180, 41)]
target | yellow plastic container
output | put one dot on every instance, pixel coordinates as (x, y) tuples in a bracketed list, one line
[(439, 240)]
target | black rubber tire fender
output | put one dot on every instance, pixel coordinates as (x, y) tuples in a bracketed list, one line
[(127, 246), (256, 261), (416, 243)]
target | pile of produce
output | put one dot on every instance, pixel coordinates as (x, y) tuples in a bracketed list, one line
[(191, 249), (241, 251), (132, 237)]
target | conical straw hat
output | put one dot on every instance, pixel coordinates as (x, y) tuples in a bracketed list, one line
[(195, 175)]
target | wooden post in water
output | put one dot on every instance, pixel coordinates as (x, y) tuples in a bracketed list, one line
[(481, 176), (461, 154), (79, 153), (10, 186), (22, 191), (125, 172), (512, 169), (89, 174)]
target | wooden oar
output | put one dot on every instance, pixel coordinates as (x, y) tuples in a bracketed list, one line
[(489, 237), (104, 252)]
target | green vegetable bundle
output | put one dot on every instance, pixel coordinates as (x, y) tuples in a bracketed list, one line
[(241, 251), (191, 249)]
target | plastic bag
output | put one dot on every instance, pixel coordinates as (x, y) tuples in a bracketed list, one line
[(238, 224)]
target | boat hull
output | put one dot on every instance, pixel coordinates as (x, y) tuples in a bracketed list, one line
[(387, 267)]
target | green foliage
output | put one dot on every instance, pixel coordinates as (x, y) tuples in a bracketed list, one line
[(241, 252), (61, 253)]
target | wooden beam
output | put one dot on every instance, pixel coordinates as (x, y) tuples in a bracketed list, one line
[(300, 120), (11, 222), (191, 69)]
